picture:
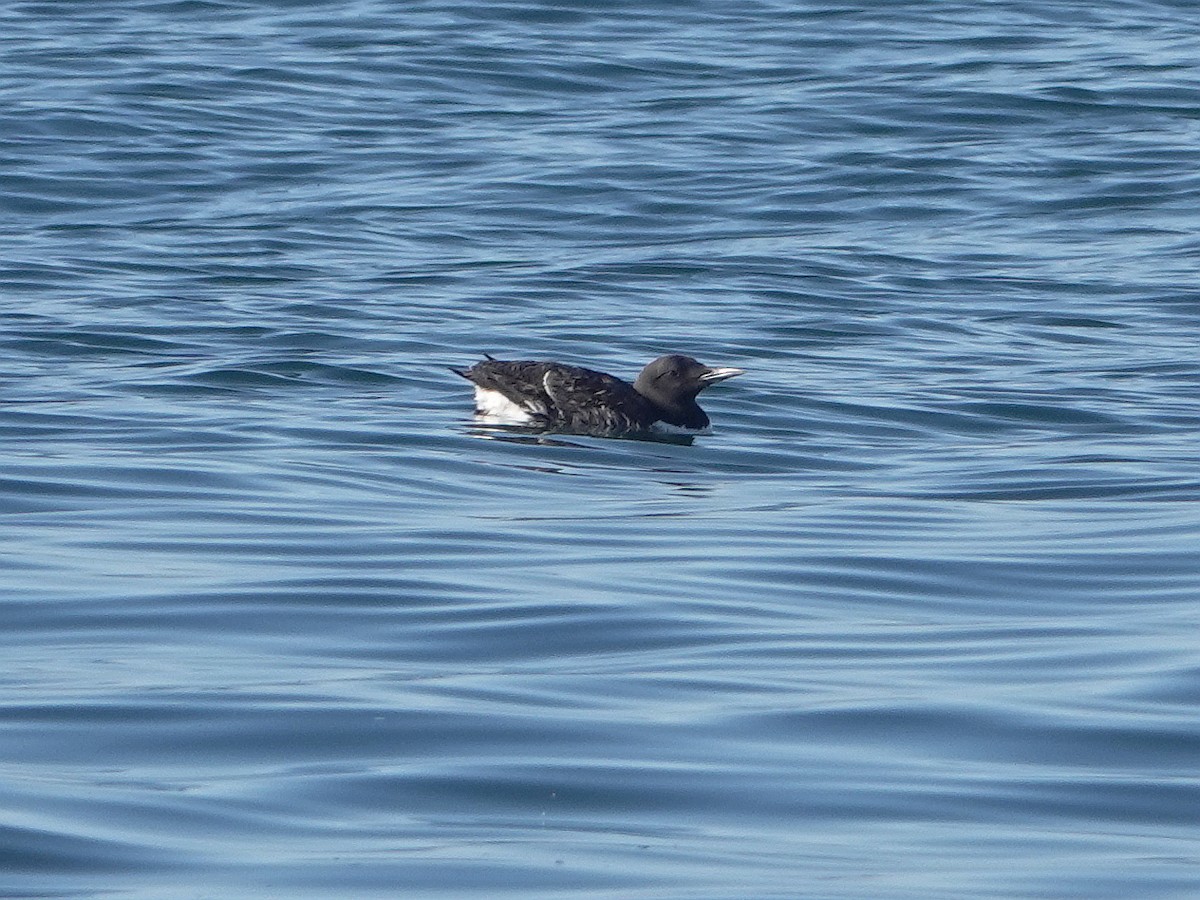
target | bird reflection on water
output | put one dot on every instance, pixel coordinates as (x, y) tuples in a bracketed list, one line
[(549, 437)]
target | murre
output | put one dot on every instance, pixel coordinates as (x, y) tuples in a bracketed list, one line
[(570, 398)]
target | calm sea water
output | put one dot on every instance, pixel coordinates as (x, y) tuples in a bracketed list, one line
[(919, 619)]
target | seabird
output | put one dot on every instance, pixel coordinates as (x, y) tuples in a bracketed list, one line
[(570, 398)]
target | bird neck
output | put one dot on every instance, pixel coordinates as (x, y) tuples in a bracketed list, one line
[(683, 414)]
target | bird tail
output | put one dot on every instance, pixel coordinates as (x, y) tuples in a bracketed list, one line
[(466, 373)]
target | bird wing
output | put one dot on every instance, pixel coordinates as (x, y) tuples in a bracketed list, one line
[(520, 382), (593, 401)]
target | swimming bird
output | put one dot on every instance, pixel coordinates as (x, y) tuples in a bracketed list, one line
[(570, 398)]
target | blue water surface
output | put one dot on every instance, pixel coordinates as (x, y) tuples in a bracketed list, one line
[(919, 619)]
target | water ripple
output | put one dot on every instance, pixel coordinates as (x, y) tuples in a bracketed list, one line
[(915, 621)]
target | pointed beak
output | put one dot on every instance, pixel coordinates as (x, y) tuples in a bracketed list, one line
[(712, 376)]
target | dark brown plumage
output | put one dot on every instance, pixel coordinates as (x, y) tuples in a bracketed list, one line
[(572, 398)]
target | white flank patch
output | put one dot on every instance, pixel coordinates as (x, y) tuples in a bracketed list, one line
[(494, 405), (668, 428)]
